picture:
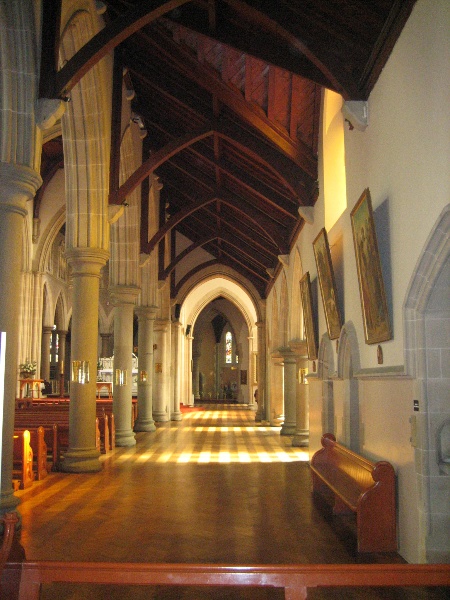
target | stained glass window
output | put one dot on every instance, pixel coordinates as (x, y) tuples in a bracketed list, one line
[(228, 347)]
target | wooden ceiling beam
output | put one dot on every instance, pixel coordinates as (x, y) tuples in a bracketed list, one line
[(183, 60), (106, 40)]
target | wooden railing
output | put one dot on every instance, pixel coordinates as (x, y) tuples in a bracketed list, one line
[(9, 521), (295, 579)]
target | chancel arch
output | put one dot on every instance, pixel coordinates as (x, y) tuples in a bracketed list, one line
[(226, 296)]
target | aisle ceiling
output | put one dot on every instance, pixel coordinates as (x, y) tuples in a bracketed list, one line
[(244, 79)]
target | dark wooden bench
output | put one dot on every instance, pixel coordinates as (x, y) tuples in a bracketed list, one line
[(51, 438), (23, 474), (47, 417), (39, 448), (358, 486)]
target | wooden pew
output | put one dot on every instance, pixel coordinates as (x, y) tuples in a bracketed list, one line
[(47, 417), (51, 439), (295, 579), (358, 486), (22, 460), (39, 448)]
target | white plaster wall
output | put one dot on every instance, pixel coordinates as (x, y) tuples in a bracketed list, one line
[(385, 409), (403, 158)]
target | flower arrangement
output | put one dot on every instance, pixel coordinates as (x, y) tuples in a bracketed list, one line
[(28, 368)]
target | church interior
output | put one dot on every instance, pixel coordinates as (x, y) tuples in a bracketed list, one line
[(224, 278)]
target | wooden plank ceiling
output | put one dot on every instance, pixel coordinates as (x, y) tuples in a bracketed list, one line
[(244, 79)]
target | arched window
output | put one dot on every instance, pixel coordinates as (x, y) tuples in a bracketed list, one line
[(228, 347)]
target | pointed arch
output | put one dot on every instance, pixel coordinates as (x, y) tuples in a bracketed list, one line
[(426, 312), (348, 425)]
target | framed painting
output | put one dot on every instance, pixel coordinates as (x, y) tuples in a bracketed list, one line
[(371, 287), (308, 321), (327, 284)]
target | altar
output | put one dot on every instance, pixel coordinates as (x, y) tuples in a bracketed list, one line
[(107, 385), (105, 376), (31, 387)]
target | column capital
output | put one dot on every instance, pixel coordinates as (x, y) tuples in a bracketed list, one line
[(299, 347), (86, 261), (146, 312), (161, 324), (124, 294), (18, 184)]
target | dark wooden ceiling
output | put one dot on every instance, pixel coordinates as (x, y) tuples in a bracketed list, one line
[(229, 93)]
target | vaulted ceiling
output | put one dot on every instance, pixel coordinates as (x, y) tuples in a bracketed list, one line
[(229, 93)]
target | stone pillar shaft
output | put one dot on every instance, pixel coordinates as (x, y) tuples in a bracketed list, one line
[(18, 184), (261, 412), (146, 318), (124, 298), (106, 344), (176, 412), (290, 393), (160, 388), (196, 369), (82, 455), (45, 354)]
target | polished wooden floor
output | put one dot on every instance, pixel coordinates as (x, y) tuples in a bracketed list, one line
[(214, 487)]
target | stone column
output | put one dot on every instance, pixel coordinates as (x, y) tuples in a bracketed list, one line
[(276, 415), (124, 299), (190, 395), (301, 435), (261, 412), (146, 319), (45, 354), (17, 185), (195, 369), (106, 344), (290, 392), (176, 412), (62, 367), (217, 363), (160, 391), (62, 335), (86, 263)]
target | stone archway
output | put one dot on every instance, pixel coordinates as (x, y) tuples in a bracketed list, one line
[(194, 301), (426, 315)]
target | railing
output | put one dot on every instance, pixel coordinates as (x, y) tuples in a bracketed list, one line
[(295, 579)]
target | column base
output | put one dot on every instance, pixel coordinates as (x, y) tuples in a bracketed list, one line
[(81, 461), (287, 429), (176, 416), (144, 425), (160, 417), (8, 502), (301, 439), (125, 438)]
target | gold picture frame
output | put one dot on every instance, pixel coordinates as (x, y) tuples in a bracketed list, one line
[(371, 286), (327, 284), (308, 320)]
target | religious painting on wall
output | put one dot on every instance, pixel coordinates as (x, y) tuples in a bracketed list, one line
[(308, 320), (371, 287), (327, 284)]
